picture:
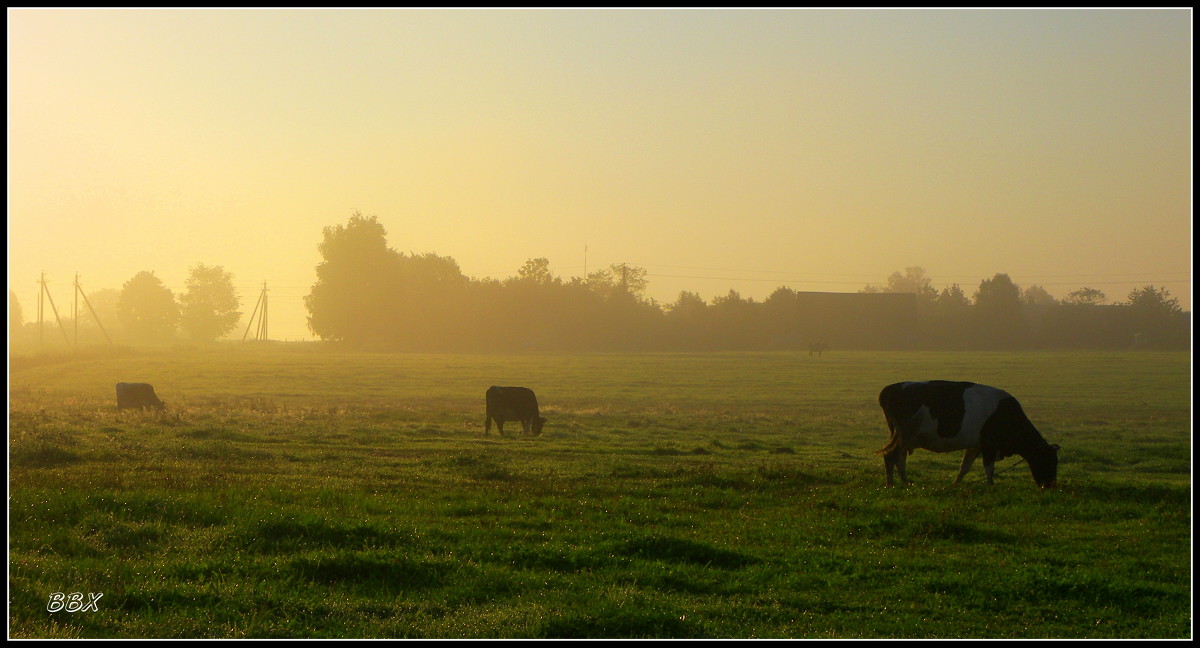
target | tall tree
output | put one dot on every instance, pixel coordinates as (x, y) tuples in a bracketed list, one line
[(1154, 300), (952, 297), (687, 305), (369, 295), (1155, 317), (913, 280), (427, 303), (619, 280), (208, 310), (147, 308), (1038, 296), (1085, 297), (950, 318), (536, 271), (358, 266), (999, 320), (998, 294)]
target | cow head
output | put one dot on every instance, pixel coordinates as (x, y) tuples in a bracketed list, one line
[(1043, 463), (538, 422)]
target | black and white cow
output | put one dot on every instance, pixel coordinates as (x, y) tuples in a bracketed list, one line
[(513, 404), (139, 395), (944, 416)]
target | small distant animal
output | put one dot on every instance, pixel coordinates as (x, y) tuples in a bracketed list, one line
[(513, 404), (137, 395), (944, 416), (817, 348)]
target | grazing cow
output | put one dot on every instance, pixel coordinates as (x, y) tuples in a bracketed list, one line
[(139, 395), (817, 348), (944, 416), (513, 404)]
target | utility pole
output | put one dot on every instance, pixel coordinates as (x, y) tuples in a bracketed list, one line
[(261, 332), (75, 311), (46, 291), (79, 293), (262, 322), (41, 333)]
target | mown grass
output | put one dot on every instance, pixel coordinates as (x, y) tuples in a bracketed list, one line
[(295, 493)]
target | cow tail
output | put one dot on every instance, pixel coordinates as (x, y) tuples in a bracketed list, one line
[(894, 441)]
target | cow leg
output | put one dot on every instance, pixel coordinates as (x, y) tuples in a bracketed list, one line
[(989, 465), (897, 459), (968, 459), (487, 425), (525, 426)]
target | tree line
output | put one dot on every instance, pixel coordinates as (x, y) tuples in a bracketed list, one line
[(144, 310), (368, 295)]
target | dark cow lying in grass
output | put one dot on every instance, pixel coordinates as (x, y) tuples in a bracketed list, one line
[(513, 404), (137, 395), (944, 416)]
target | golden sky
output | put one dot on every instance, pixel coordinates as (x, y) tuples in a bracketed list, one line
[(718, 149)]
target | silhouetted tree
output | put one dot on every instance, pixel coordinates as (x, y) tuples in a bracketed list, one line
[(949, 318), (208, 309), (687, 305), (1037, 296), (371, 296), (914, 280), (998, 317), (426, 302), (536, 271), (687, 321), (734, 321), (147, 308), (619, 279), (350, 298), (1085, 297), (787, 325), (952, 297), (1154, 300), (1154, 315)]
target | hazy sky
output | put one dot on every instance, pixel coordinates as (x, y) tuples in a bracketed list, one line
[(719, 149)]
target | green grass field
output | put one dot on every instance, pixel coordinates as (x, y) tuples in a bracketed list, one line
[(295, 492)]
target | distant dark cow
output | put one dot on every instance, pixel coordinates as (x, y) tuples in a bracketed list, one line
[(139, 395), (944, 416), (817, 348), (513, 404)]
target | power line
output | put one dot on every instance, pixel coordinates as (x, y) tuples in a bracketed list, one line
[(1089, 275), (856, 283)]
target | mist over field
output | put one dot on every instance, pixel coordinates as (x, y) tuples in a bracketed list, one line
[(718, 155), (265, 264), (368, 296), (287, 491)]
